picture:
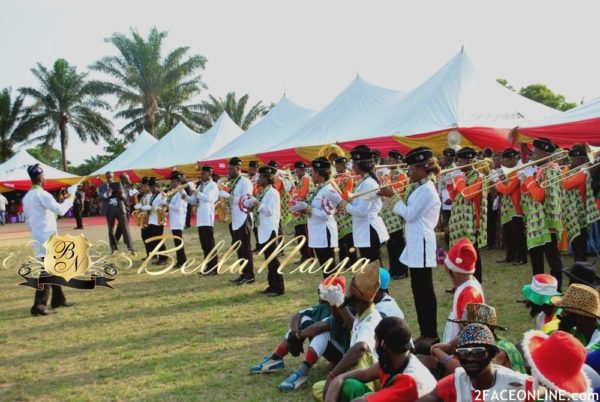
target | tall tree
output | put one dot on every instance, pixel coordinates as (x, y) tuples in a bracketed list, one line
[(542, 94), (11, 132), (47, 154), (236, 109), (65, 99), (144, 78)]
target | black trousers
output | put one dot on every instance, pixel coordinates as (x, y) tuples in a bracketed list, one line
[(373, 252), (275, 278), (323, 255), (421, 283), (156, 230), (144, 234), (445, 217), (513, 233), (345, 244), (181, 257), (492, 220), (255, 230), (116, 214), (41, 297), (78, 211), (395, 246), (207, 242), (188, 216), (302, 230), (245, 251), (478, 265), (550, 250), (579, 245)]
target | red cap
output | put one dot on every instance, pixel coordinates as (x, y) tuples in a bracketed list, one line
[(462, 257)]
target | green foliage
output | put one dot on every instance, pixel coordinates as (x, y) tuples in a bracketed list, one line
[(47, 154), (541, 94), (63, 100), (236, 109), (150, 87), (91, 165), (11, 131)]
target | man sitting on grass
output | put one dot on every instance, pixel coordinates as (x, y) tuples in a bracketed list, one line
[(402, 376), (384, 302)]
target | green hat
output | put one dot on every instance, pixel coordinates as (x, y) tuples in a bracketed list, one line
[(541, 289)]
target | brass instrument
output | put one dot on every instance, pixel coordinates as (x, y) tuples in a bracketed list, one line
[(331, 152), (397, 165), (591, 163), (141, 218), (222, 206), (474, 165), (352, 196), (508, 171)]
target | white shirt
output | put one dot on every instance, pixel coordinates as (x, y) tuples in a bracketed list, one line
[(452, 329), (242, 187), (421, 214), (363, 330), (40, 209), (365, 213), (3, 202), (177, 211), (426, 382), (269, 214), (206, 199), (319, 222), (387, 306), (155, 201)]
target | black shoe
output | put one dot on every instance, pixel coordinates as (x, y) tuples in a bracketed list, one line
[(64, 304), (38, 311), (450, 290), (268, 290), (519, 262), (238, 279), (161, 262), (247, 281), (504, 261), (275, 293)]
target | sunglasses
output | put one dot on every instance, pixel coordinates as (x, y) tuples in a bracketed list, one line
[(477, 352)]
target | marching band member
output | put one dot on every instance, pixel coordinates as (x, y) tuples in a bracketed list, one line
[(302, 186), (446, 162), (393, 222), (579, 206), (421, 213), (284, 187), (469, 207), (542, 207), (268, 208), (513, 231), (253, 176), (345, 181), (369, 231), (206, 196), (320, 208), (154, 207), (143, 198), (178, 205), (40, 209), (241, 220)]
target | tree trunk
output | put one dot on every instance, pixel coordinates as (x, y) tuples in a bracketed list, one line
[(63, 140)]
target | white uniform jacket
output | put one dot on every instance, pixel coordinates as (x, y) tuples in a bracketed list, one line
[(365, 213), (177, 211), (242, 187), (320, 222), (206, 198), (269, 214), (421, 213)]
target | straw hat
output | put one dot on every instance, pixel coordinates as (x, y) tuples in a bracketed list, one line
[(479, 313), (579, 299), (365, 284)]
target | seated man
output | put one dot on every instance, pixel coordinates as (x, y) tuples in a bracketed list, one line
[(478, 378), (384, 303), (460, 262), (402, 376), (537, 300), (361, 354), (508, 354), (293, 340)]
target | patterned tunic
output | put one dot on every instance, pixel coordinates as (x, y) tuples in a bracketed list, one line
[(392, 221), (542, 217), (343, 220), (463, 221), (578, 213)]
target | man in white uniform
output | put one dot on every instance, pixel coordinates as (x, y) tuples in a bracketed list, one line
[(206, 197), (178, 204), (3, 202), (241, 220), (40, 209)]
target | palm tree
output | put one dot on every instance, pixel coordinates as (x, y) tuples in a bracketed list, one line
[(65, 99), (11, 131), (236, 109), (144, 79)]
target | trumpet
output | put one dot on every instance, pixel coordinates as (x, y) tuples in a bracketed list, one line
[(175, 190), (397, 165), (352, 196), (474, 165)]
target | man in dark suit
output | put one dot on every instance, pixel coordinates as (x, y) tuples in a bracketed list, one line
[(116, 209)]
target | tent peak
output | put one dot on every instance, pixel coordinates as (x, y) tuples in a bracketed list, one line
[(462, 48)]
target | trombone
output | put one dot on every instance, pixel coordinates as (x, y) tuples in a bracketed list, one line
[(591, 163), (397, 165), (473, 165)]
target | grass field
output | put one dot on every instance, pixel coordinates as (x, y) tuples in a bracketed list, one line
[(183, 337)]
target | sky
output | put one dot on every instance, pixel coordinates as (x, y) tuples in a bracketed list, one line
[(311, 49)]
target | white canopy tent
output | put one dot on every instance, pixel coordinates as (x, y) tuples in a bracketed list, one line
[(123, 162), (183, 146), (14, 176), (276, 126)]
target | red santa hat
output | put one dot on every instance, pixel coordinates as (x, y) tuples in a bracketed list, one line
[(462, 257), (557, 362), (332, 281)]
